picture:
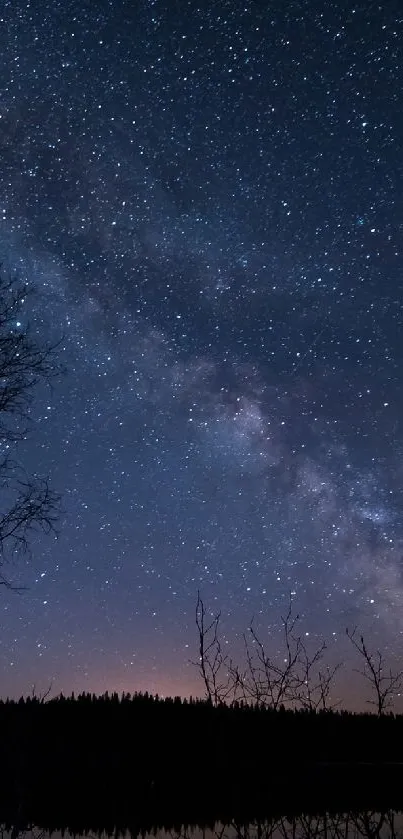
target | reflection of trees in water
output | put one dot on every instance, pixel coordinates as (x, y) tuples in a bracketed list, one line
[(366, 824), (361, 825), (16, 831)]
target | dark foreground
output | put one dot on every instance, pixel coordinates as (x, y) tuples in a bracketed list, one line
[(140, 763)]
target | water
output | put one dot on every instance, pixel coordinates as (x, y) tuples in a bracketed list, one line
[(369, 824)]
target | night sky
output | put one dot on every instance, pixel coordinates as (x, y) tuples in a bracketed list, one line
[(209, 199)]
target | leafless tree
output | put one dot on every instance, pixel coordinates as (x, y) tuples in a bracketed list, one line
[(27, 502), (212, 664), (298, 679), (385, 683), (266, 681), (316, 680)]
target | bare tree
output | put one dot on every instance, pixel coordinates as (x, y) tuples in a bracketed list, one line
[(385, 684), (316, 681), (266, 681), (27, 502), (296, 678), (213, 665)]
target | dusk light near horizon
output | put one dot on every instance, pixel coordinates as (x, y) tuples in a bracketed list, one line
[(208, 199)]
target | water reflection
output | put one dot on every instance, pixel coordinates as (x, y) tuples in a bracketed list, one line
[(351, 825)]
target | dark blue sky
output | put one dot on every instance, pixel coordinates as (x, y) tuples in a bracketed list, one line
[(209, 199)]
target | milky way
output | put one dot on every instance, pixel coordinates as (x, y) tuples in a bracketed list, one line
[(208, 199)]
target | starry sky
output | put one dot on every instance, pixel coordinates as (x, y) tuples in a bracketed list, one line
[(208, 198)]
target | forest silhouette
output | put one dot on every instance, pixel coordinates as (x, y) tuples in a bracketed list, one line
[(143, 761)]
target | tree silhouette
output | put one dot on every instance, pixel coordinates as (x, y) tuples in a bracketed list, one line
[(298, 678), (27, 502), (271, 683), (384, 682), (213, 665)]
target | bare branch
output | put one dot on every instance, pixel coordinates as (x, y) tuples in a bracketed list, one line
[(384, 684), (298, 679), (27, 502), (213, 665)]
